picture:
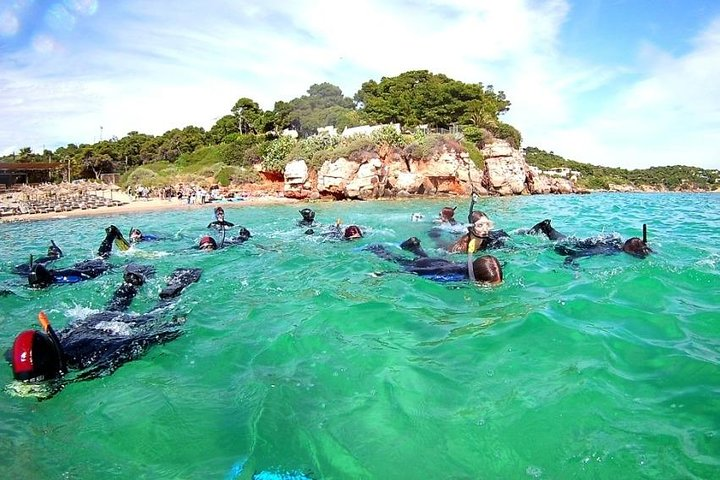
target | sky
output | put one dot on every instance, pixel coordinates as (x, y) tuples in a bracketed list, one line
[(623, 83)]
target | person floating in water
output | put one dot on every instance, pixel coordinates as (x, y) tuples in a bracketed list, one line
[(208, 243), (447, 216), (308, 221), (53, 253), (485, 269), (219, 223), (100, 343), (480, 230), (308, 218), (351, 232), (136, 236), (41, 277), (603, 245)]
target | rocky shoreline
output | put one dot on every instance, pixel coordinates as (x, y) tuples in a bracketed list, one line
[(392, 173)]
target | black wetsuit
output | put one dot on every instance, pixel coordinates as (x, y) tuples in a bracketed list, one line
[(41, 277), (54, 253), (437, 269), (220, 225), (605, 245), (102, 342), (572, 249), (545, 228), (99, 344)]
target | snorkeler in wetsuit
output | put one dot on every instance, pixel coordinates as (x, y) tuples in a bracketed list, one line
[(136, 236), (485, 269), (308, 218), (208, 243), (41, 277), (351, 232), (604, 245), (219, 223), (53, 253), (480, 231), (100, 343)]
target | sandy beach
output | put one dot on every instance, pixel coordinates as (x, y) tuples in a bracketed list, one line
[(136, 206)]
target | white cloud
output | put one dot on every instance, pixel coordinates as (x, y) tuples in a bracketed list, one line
[(669, 116)]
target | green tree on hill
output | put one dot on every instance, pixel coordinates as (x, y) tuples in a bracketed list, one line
[(420, 97)]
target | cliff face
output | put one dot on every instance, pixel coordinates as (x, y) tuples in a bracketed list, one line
[(388, 173)]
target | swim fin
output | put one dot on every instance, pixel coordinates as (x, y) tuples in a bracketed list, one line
[(121, 243), (180, 278)]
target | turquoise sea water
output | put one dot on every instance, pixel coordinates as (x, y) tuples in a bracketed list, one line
[(296, 358)]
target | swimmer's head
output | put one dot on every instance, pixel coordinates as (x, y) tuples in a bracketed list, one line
[(477, 215), (481, 226), (447, 214), (40, 277), (135, 235), (307, 214), (352, 232), (410, 244), (35, 357), (54, 251), (636, 247), (243, 234), (207, 243), (219, 213), (487, 269)]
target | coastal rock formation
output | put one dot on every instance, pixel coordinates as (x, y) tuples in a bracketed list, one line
[(506, 172), (296, 176), (392, 172)]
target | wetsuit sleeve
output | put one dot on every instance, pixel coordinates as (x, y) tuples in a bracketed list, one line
[(123, 297), (180, 278)]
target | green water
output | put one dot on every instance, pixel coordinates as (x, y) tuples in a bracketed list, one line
[(295, 357)]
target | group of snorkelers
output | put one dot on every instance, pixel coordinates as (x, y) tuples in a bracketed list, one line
[(42, 355), (101, 342), (478, 235)]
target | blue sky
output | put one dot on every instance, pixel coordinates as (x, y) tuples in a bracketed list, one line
[(630, 83)]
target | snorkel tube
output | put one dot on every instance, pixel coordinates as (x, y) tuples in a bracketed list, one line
[(472, 247), (644, 233), (45, 324)]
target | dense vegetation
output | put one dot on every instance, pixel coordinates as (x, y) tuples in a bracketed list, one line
[(249, 139), (595, 177)]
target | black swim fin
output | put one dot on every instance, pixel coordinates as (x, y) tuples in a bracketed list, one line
[(180, 278)]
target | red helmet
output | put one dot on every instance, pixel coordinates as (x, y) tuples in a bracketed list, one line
[(35, 357), (207, 243)]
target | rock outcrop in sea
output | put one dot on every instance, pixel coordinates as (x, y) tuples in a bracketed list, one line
[(391, 172)]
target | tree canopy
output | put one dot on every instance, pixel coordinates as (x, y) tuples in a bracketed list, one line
[(248, 135), (420, 97)]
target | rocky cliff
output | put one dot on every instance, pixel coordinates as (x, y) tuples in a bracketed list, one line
[(391, 172)]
